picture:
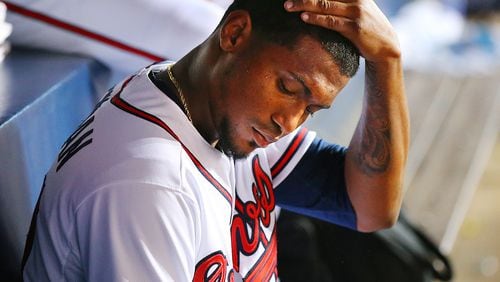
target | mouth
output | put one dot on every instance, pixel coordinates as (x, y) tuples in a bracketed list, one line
[(262, 139)]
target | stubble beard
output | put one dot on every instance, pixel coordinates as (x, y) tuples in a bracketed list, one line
[(227, 132), (227, 141)]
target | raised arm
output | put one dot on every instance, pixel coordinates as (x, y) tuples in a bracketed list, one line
[(378, 150)]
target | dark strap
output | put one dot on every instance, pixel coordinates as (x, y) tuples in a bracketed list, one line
[(410, 244), (441, 271)]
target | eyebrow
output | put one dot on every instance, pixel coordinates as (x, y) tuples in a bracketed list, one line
[(301, 80), (307, 90)]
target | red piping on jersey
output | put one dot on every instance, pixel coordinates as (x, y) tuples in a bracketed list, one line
[(289, 152), (81, 31), (123, 105)]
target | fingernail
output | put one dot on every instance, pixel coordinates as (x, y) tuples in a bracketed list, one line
[(304, 16), (288, 4)]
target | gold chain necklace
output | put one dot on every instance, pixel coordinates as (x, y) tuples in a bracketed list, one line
[(179, 90)]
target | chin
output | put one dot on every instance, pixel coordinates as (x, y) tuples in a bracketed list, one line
[(236, 156), (231, 143), (234, 151)]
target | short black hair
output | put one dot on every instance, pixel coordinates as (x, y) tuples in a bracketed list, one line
[(272, 22)]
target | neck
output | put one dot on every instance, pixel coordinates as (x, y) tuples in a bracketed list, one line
[(194, 78)]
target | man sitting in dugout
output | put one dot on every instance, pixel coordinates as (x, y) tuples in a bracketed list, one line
[(177, 173)]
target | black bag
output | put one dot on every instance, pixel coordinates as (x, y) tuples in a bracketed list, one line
[(313, 250)]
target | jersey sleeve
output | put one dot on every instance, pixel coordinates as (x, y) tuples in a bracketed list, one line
[(316, 185), (137, 232), (283, 155)]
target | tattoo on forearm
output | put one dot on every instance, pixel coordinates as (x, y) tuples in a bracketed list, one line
[(374, 153)]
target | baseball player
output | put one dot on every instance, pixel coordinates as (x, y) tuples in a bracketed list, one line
[(177, 174)]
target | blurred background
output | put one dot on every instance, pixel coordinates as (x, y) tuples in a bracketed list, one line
[(451, 52)]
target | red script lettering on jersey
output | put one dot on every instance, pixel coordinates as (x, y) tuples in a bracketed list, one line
[(211, 269), (254, 213)]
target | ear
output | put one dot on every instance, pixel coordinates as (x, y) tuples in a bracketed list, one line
[(235, 30)]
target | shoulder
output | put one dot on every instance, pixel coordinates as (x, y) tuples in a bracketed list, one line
[(151, 165)]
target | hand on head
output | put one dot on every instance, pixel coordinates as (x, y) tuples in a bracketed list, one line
[(360, 21)]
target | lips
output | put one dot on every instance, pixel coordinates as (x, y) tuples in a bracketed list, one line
[(262, 139)]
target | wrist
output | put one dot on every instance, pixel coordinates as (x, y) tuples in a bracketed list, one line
[(388, 55), (387, 63)]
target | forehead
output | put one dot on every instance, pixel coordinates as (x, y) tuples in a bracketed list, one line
[(307, 59)]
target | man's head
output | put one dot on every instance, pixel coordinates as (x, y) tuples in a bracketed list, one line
[(273, 71), (271, 22)]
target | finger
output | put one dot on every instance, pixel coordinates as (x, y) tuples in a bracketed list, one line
[(335, 8), (343, 25)]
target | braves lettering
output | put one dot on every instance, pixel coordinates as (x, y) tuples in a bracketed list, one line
[(80, 138), (75, 142), (252, 214), (212, 269)]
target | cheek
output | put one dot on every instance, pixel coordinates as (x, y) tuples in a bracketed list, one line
[(251, 95), (252, 99)]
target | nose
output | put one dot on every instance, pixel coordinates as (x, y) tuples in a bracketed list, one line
[(288, 121)]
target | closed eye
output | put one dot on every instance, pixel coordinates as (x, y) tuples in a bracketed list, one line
[(283, 89)]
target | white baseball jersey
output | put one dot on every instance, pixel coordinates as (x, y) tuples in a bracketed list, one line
[(137, 194)]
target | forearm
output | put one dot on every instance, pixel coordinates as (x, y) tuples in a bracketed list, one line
[(377, 153)]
